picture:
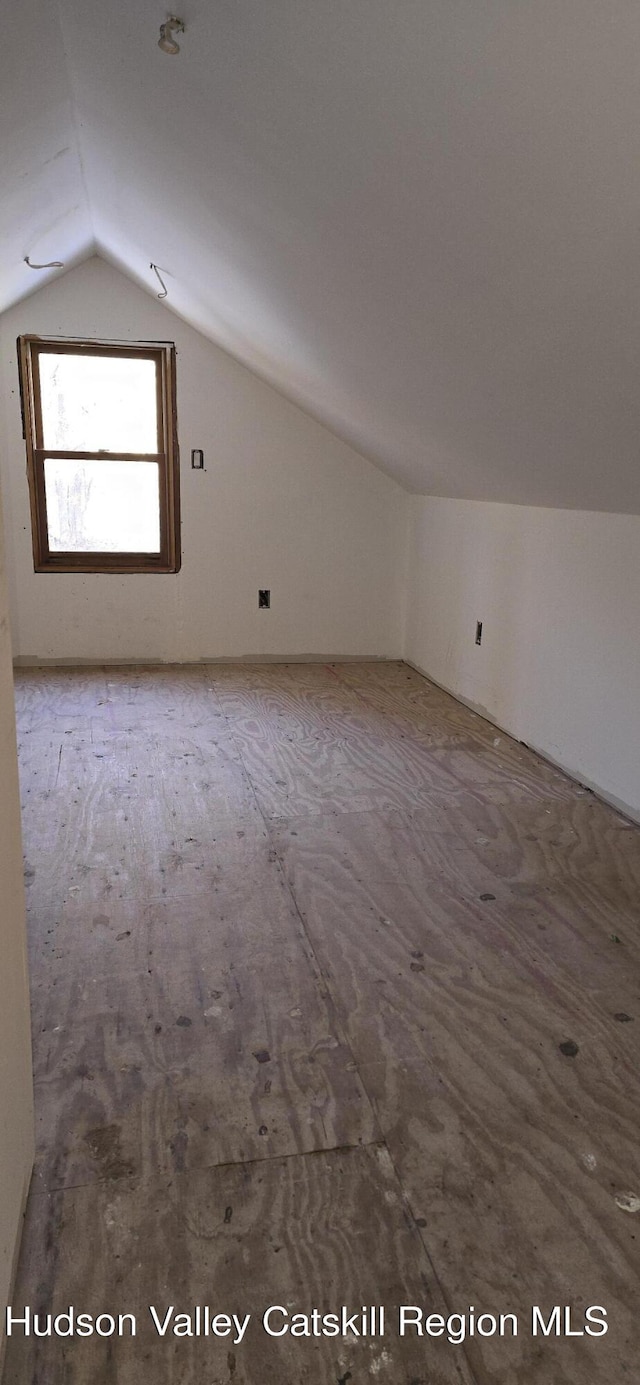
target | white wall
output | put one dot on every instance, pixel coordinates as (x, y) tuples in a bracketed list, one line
[(283, 504), (16, 1108), (558, 592)]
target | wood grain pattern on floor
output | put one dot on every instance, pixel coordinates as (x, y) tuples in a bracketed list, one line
[(318, 944), (308, 1232)]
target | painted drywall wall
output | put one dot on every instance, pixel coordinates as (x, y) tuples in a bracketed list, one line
[(16, 1102), (282, 504), (558, 592)]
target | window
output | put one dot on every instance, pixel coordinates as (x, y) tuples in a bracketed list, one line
[(102, 455)]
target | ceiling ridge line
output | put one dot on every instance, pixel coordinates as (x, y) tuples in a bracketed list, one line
[(77, 126)]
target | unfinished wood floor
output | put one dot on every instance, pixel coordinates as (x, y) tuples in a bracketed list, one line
[(336, 1000)]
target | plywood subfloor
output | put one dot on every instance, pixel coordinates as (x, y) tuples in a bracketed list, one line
[(336, 1000)]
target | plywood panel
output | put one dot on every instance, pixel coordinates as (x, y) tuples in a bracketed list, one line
[(281, 910), (301, 1232), (498, 1039), (201, 1062)]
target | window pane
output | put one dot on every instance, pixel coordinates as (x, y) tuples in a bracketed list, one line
[(102, 507), (98, 403)]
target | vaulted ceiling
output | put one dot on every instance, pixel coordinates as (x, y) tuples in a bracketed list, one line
[(418, 218)]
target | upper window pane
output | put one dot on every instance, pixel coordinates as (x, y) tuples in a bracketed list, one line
[(98, 403)]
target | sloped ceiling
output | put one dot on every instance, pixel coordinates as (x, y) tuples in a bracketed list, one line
[(419, 218)]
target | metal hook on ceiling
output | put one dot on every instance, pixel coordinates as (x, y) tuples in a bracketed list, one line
[(51, 264), (156, 271)]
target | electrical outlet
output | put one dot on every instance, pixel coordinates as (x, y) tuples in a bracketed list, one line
[(264, 599), (478, 632)]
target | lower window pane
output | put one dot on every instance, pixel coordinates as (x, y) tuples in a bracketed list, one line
[(102, 507)]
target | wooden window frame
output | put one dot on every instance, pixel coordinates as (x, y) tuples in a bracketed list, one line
[(30, 348)]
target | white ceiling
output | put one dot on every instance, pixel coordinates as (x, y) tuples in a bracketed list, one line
[(419, 218)]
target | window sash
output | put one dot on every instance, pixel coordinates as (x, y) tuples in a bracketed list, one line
[(166, 458)]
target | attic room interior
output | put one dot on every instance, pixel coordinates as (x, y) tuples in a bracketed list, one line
[(320, 693)]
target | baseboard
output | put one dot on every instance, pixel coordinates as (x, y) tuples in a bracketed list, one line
[(39, 661), (625, 809)]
